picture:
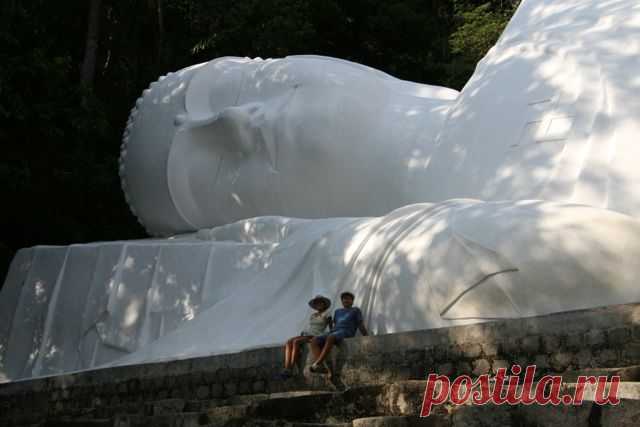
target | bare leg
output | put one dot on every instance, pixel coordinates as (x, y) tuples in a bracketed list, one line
[(288, 353), (315, 348), (328, 345), (295, 350)]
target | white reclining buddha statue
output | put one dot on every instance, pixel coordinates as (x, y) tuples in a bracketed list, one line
[(265, 182)]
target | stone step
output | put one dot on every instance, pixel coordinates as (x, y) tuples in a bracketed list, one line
[(231, 412), (627, 390), (588, 414), (281, 423), (172, 406), (384, 421), (334, 407), (299, 407), (398, 399), (627, 373), (627, 414), (437, 420), (107, 411), (78, 422), (185, 419), (392, 405), (401, 398), (22, 419), (405, 397), (165, 406), (204, 405), (487, 416), (294, 408), (299, 424)]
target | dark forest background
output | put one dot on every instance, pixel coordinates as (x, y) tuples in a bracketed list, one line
[(71, 70)]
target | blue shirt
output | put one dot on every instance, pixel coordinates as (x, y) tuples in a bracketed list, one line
[(347, 320)]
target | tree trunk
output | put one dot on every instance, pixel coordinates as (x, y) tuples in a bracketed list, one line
[(160, 39), (88, 70)]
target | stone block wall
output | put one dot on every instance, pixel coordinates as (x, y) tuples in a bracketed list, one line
[(605, 337), (595, 338)]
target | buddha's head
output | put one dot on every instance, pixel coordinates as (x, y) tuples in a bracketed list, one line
[(302, 136)]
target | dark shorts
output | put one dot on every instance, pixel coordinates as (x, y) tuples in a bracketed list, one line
[(340, 335)]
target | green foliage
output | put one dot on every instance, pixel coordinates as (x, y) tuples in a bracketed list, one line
[(60, 145), (480, 29), (61, 140)]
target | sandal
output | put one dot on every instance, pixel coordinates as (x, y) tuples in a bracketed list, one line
[(319, 369), (285, 374)]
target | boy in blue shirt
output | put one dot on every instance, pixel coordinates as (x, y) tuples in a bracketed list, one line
[(346, 321)]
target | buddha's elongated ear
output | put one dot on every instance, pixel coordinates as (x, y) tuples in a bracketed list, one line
[(233, 128), (201, 148), (216, 86)]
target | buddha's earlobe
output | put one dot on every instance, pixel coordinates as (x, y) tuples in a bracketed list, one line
[(234, 128), (238, 130)]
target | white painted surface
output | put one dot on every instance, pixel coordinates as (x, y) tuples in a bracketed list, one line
[(551, 113), (246, 284), (302, 136)]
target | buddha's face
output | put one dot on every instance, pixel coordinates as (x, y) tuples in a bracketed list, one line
[(300, 136)]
